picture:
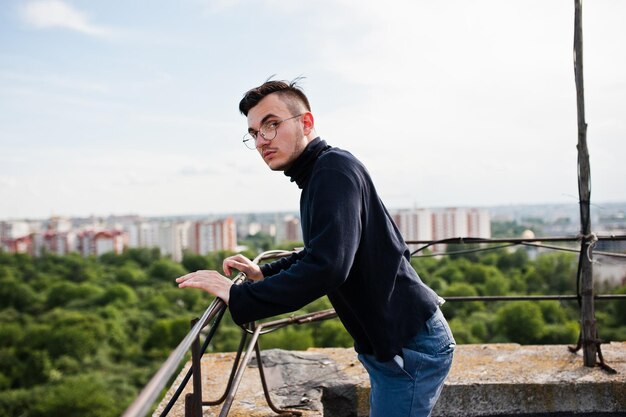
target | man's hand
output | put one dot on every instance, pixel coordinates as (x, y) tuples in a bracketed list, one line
[(209, 281), (243, 264)]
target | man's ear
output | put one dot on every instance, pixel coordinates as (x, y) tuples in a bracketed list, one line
[(308, 122)]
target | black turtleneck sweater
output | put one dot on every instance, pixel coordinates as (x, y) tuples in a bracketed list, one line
[(353, 253)]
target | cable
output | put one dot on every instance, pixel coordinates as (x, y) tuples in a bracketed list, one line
[(465, 251)]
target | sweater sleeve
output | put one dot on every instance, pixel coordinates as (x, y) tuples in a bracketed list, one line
[(275, 267), (334, 219)]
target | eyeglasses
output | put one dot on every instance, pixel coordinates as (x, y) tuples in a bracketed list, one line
[(267, 131)]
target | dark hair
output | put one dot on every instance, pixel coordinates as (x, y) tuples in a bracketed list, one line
[(289, 90)]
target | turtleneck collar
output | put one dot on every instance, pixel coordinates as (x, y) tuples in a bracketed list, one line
[(301, 169)]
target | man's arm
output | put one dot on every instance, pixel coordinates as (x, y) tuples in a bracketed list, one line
[(218, 285), (334, 234), (278, 265)]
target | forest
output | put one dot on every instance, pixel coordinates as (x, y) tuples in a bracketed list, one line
[(82, 336)]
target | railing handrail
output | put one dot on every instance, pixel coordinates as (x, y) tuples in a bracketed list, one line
[(469, 239)]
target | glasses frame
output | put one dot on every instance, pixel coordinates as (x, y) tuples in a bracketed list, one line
[(250, 137)]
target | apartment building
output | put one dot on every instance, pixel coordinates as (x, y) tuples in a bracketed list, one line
[(438, 224), (210, 236)]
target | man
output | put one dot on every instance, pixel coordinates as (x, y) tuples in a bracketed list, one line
[(353, 253)]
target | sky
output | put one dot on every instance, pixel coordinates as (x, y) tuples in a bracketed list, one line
[(130, 107)]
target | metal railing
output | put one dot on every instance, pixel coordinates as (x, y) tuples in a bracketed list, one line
[(194, 402), (146, 398), (591, 345)]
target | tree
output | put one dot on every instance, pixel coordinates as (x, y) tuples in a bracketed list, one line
[(553, 312), (10, 334), (561, 334), (17, 295), (289, 338), (448, 271), (143, 256), (33, 368), (167, 333), (131, 273), (166, 270), (495, 284), (73, 333), (258, 242), (463, 308), (554, 272), (331, 333), (66, 292), (120, 294), (521, 322), (195, 262), (80, 269), (619, 307), (78, 396), (512, 260)]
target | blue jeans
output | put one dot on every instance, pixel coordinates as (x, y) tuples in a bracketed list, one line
[(412, 390)]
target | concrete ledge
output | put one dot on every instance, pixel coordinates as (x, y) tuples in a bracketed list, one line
[(485, 380), (509, 379)]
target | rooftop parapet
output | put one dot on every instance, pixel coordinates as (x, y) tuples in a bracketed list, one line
[(485, 380)]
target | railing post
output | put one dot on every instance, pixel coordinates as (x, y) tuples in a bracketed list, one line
[(193, 401), (588, 320), (587, 311)]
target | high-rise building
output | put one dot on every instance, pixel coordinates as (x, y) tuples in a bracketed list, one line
[(15, 237), (210, 236), (98, 242), (14, 229), (451, 222), (414, 224), (173, 238), (142, 234), (288, 229), (56, 242), (18, 245), (479, 223), (427, 224)]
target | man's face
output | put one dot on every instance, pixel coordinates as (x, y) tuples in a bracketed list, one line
[(280, 152)]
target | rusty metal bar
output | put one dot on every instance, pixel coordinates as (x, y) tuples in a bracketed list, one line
[(193, 400), (467, 240), (602, 297), (143, 403), (185, 380), (266, 391), (253, 345), (242, 344), (239, 375), (512, 241)]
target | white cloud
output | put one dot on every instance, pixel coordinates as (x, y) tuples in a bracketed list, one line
[(45, 14), (60, 81), (201, 170), (8, 182), (216, 6)]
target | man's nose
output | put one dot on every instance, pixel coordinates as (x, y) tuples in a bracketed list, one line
[(260, 140)]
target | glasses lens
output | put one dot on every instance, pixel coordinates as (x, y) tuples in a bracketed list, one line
[(249, 141), (269, 130)]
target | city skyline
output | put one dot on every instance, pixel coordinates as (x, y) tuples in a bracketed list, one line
[(114, 108)]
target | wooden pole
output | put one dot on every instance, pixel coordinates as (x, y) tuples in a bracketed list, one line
[(588, 321)]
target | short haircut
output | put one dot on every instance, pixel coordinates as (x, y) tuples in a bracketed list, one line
[(290, 91)]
